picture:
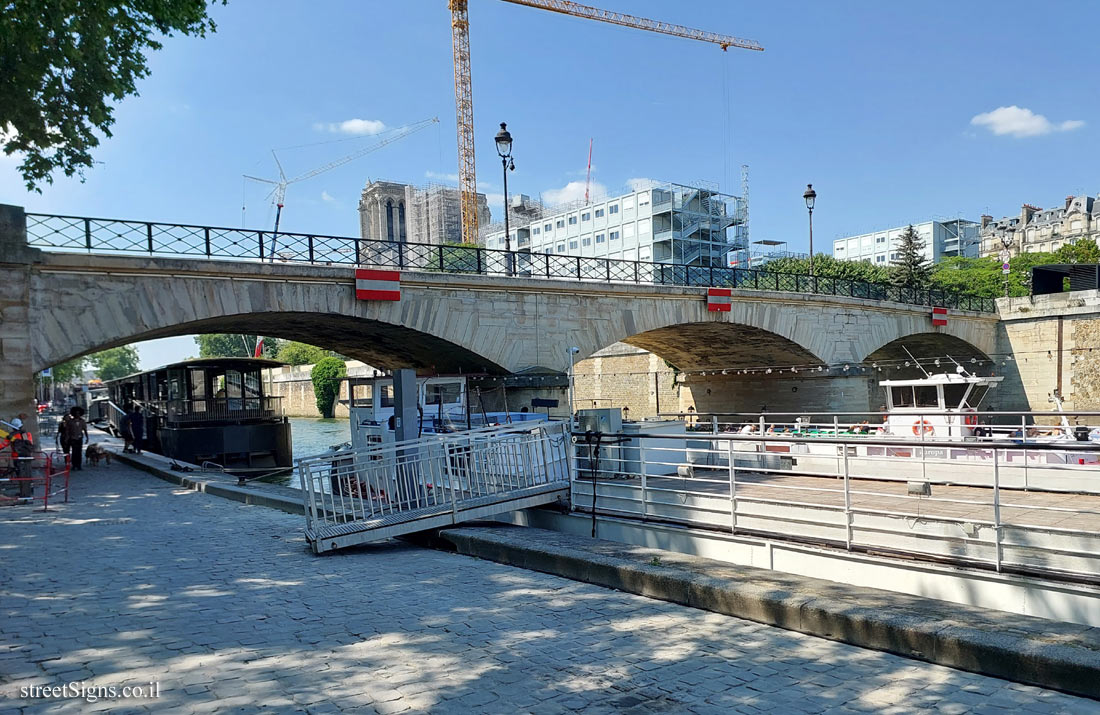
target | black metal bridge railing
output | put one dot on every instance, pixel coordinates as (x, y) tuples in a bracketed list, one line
[(112, 236)]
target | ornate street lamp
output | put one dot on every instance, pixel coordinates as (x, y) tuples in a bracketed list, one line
[(504, 149), (811, 196)]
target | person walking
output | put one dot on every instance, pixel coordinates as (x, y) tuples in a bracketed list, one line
[(137, 429), (74, 434)]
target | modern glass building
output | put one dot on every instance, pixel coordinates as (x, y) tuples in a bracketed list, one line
[(661, 222)]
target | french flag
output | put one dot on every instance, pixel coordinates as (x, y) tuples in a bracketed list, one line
[(373, 284)]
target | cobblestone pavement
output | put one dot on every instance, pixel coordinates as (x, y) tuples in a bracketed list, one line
[(222, 604)]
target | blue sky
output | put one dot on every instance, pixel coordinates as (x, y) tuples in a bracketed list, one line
[(875, 103)]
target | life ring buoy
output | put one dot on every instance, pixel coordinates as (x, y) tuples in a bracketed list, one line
[(971, 419), (922, 426)]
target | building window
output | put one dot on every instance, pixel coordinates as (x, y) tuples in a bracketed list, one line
[(614, 236), (535, 230), (586, 216), (572, 220), (880, 259), (643, 200), (573, 244), (599, 238), (559, 223), (880, 239), (389, 220), (548, 251), (893, 256), (561, 248), (547, 227), (599, 213), (613, 209), (586, 241)]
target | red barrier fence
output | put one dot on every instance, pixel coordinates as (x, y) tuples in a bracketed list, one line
[(26, 480)]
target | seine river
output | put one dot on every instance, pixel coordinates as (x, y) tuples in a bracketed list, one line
[(310, 436)]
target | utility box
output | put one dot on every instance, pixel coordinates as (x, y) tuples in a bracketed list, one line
[(608, 420)]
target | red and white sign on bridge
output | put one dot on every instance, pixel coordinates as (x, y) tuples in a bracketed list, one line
[(718, 299), (939, 316), (371, 284)]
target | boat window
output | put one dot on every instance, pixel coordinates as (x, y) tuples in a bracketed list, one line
[(385, 395), (361, 395), (175, 385), (927, 395), (953, 395), (450, 393), (977, 395), (901, 396), (253, 390), (198, 389)]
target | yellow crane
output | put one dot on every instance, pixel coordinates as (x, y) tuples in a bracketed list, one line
[(464, 97)]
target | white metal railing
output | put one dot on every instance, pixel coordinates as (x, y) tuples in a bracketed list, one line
[(388, 483), (997, 504)]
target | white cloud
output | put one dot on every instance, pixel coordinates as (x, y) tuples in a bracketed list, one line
[(496, 202), (1021, 122), (438, 175), (328, 198), (573, 191), (362, 127), (639, 184)]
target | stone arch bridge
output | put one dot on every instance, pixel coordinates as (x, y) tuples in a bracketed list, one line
[(57, 306)]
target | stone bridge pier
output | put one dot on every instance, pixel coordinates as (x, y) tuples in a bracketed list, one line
[(17, 388)]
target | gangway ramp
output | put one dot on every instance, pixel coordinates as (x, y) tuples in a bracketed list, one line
[(357, 496)]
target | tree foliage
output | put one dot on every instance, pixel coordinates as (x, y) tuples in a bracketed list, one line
[(983, 276), (63, 65), (326, 376), (826, 266), (910, 269), (295, 353), (115, 362), (68, 371), (234, 345)]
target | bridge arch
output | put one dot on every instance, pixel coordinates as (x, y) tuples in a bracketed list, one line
[(719, 345), (81, 313), (925, 346)]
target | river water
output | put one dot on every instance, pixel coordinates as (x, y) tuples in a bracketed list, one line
[(311, 436)]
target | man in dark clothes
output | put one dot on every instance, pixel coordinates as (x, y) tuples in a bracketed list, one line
[(137, 428), (74, 434)]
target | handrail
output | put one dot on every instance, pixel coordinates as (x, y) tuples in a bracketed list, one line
[(875, 441), (90, 235)]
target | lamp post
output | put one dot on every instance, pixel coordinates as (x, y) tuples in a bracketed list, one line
[(810, 196), (1006, 254), (571, 352), (504, 149)]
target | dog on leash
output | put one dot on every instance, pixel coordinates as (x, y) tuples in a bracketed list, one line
[(95, 453)]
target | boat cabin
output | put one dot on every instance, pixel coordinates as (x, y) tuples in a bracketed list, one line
[(942, 406), (207, 410)]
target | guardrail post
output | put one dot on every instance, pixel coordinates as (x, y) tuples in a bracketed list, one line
[(477, 256), (733, 487), (636, 272), (645, 484), (260, 237), (546, 256), (149, 236), (607, 268), (578, 267), (310, 241), (847, 502), (401, 255), (88, 234), (206, 241), (712, 274), (997, 509), (358, 253), (439, 250)]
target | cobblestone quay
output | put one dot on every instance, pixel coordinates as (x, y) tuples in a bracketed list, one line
[(136, 582)]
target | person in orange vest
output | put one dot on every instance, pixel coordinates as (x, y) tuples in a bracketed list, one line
[(21, 443)]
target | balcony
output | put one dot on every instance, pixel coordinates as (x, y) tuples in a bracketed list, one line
[(222, 409)]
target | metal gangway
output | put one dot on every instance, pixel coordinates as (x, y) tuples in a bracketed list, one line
[(357, 496)]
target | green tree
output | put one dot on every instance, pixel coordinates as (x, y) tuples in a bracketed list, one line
[(326, 376), (63, 65), (234, 345), (115, 362), (911, 268), (295, 353), (975, 276), (68, 371), (826, 266)]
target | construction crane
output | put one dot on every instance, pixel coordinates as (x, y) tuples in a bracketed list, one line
[(279, 192), (464, 98)]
